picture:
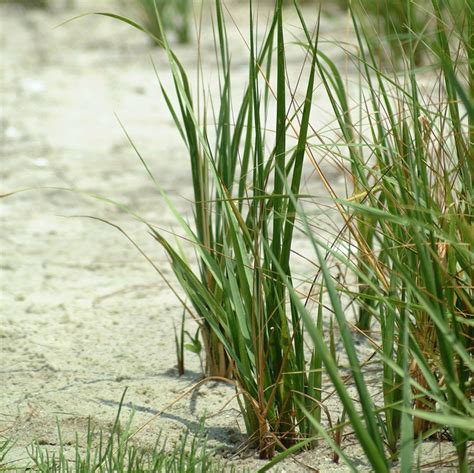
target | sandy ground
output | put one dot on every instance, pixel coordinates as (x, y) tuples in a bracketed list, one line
[(83, 314)]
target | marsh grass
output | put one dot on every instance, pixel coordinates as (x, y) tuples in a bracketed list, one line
[(250, 329)]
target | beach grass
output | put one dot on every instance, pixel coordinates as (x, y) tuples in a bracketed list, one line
[(405, 243), (407, 224)]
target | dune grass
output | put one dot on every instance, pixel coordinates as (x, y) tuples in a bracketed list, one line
[(410, 223), (238, 295), (412, 166), (407, 222), (408, 236)]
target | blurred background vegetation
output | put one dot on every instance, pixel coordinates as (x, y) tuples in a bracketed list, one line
[(385, 21)]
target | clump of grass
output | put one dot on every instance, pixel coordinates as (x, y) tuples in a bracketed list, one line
[(238, 295), (251, 331), (411, 218), (453, 17)]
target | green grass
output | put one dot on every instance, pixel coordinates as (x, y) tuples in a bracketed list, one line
[(237, 294), (408, 224), (29, 3), (410, 220), (238, 297), (395, 28), (113, 451), (175, 16)]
